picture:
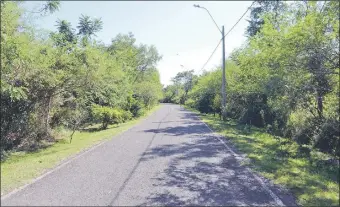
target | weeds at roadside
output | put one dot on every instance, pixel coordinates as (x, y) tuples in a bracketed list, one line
[(308, 176)]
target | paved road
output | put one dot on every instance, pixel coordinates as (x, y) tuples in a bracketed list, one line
[(171, 158)]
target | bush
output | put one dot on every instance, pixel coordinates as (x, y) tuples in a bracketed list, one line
[(136, 107), (140, 112), (249, 108), (327, 140), (322, 134), (14, 121), (126, 115), (190, 103), (69, 117), (107, 115), (116, 116), (205, 102)]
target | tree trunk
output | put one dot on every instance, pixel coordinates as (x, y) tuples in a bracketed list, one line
[(47, 120), (319, 103), (73, 130)]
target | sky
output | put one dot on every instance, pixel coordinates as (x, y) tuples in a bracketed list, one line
[(183, 35)]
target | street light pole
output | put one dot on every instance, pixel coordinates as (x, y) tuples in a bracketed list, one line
[(223, 91), (201, 7), (224, 95)]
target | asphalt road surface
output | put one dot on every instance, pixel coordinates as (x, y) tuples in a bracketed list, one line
[(171, 158)]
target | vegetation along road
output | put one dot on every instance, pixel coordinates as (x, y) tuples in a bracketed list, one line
[(93, 116)]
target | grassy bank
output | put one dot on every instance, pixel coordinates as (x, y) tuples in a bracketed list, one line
[(311, 180), (21, 167)]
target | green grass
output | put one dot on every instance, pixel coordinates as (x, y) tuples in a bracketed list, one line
[(21, 167), (312, 183)]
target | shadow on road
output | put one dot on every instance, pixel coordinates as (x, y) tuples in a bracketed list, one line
[(180, 130), (188, 124), (201, 171)]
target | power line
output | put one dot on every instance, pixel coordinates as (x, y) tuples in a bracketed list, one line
[(210, 56), (240, 19), (226, 35)]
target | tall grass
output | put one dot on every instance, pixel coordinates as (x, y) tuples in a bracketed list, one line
[(313, 181)]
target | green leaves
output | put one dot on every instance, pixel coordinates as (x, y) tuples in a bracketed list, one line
[(107, 115), (15, 93), (66, 33), (69, 79), (88, 27), (260, 9), (286, 73), (51, 6)]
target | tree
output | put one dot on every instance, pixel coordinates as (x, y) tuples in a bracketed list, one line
[(136, 60), (57, 81), (88, 27), (186, 79), (171, 94), (260, 8), (66, 34), (205, 90), (285, 75), (51, 6)]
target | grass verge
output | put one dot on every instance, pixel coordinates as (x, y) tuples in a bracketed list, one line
[(313, 182), (21, 167)]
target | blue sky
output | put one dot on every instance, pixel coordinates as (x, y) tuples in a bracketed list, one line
[(174, 27)]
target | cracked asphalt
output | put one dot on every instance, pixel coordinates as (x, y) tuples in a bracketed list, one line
[(171, 158)]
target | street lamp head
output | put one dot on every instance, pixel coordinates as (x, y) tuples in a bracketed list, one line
[(198, 6)]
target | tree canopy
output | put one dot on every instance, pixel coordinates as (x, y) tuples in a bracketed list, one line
[(285, 75), (69, 79)]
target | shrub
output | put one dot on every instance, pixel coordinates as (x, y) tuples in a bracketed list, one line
[(107, 115), (190, 103), (136, 108), (116, 116), (126, 115), (327, 140)]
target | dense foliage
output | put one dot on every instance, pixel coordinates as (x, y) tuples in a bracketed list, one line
[(285, 78), (69, 79)]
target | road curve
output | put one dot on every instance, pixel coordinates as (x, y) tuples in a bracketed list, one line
[(171, 158)]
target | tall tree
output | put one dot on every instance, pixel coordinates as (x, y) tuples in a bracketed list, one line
[(260, 8), (186, 79), (89, 27), (66, 34)]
